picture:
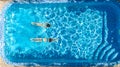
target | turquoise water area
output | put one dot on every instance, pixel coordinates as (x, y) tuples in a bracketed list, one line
[(79, 32), (82, 33)]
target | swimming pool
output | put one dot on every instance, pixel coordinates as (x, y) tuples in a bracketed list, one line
[(85, 33)]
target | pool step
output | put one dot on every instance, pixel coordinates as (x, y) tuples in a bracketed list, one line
[(106, 53), (45, 25), (43, 39)]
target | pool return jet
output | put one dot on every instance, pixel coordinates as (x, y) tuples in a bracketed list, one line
[(45, 25)]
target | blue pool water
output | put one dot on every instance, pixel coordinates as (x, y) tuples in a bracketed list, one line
[(87, 33)]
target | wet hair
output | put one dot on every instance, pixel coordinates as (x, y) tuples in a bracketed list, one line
[(50, 40), (48, 25)]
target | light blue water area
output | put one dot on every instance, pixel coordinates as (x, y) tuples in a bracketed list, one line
[(79, 32), (82, 33)]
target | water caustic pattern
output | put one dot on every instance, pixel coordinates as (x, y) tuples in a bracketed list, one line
[(81, 34), (78, 32)]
